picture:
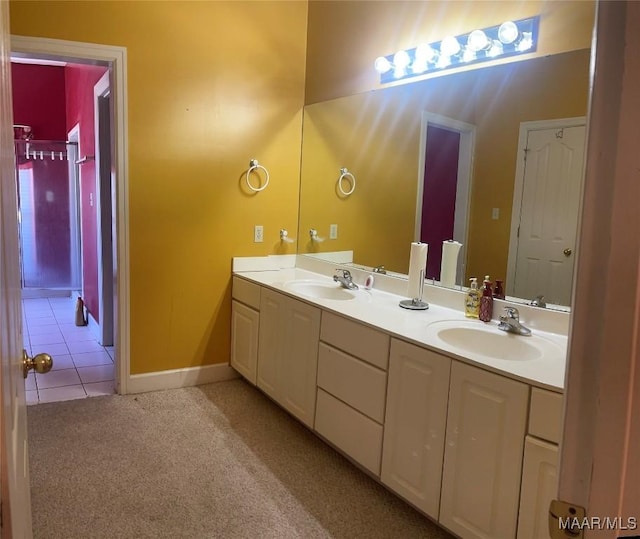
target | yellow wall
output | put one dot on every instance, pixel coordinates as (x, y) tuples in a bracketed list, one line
[(376, 135), (345, 37), (210, 85)]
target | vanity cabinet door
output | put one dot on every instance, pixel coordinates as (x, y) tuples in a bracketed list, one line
[(415, 424), (539, 487), (270, 341), (244, 340), (486, 424), (288, 353), (300, 360)]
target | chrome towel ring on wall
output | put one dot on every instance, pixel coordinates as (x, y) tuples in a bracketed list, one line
[(346, 175), (254, 166)]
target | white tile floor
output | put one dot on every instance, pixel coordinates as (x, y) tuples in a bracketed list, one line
[(81, 366)]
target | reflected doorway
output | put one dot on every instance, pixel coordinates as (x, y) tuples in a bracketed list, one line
[(444, 184)]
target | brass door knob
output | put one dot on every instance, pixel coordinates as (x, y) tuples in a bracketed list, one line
[(41, 363), (567, 252)]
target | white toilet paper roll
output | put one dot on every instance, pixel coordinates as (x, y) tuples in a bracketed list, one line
[(417, 264), (449, 264)]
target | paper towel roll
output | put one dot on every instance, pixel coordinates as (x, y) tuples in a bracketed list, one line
[(417, 263), (449, 264)]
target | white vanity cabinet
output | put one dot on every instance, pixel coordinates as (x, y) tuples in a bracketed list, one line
[(352, 383), (288, 353), (245, 321), (415, 424), (486, 424), (540, 469)]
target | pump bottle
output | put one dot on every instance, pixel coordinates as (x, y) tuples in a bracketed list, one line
[(472, 300)]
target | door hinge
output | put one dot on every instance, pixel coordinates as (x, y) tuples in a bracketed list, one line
[(518, 232)]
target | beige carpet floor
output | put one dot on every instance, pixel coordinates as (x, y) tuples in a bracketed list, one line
[(214, 461)]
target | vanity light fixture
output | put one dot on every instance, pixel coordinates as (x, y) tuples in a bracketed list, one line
[(510, 38)]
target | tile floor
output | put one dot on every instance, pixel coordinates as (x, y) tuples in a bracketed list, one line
[(81, 366)]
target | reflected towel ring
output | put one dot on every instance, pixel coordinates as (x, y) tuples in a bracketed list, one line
[(254, 165), (344, 173)]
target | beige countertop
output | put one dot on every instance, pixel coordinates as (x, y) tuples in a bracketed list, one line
[(380, 310)]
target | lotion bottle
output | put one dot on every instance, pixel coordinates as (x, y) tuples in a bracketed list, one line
[(486, 301), (472, 300)]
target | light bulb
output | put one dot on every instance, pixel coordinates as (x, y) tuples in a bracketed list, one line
[(508, 32), (401, 59), (449, 46), (477, 41), (425, 53), (525, 43), (382, 65), (496, 49), (468, 55), (443, 61)]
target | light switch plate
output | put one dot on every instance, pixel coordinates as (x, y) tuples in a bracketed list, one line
[(333, 232), (495, 214)]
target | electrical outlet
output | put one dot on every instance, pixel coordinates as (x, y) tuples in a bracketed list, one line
[(333, 232), (495, 214), (258, 234)]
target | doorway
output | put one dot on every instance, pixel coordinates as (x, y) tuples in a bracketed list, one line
[(444, 184), (114, 58), (546, 204)]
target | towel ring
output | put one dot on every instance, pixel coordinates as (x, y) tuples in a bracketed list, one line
[(344, 173), (254, 165)]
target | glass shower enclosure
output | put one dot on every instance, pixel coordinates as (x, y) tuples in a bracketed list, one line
[(49, 215)]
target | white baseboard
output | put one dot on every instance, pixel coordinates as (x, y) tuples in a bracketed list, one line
[(176, 378)]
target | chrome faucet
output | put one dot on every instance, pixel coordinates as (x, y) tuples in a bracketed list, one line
[(345, 279), (511, 322), (539, 302)]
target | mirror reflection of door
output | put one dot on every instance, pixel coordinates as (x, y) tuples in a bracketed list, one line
[(544, 224), (443, 188)]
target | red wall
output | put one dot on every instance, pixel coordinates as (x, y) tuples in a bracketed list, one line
[(79, 82), (439, 195), (39, 101)]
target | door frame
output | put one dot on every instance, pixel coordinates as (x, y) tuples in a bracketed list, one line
[(518, 184), (463, 187), (76, 241), (117, 59), (106, 212)]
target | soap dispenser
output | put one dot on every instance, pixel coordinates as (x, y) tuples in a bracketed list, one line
[(486, 301), (472, 300)]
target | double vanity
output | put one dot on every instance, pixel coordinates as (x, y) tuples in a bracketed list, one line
[(457, 417)]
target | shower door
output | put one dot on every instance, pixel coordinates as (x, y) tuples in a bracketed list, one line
[(48, 211)]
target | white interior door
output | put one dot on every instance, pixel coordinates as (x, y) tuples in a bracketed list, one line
[(550, 200), (14, 477)]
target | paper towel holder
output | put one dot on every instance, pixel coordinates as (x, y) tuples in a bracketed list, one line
[(416, 304)]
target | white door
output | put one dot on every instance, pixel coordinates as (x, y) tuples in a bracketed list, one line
[(548, 221), (14, 478)]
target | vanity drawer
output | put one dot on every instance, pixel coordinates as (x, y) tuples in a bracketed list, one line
[(349, 430), (545, 417), (353, 381), (356, 339), (246, 292)]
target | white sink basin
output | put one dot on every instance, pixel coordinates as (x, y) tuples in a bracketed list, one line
[(319, 289), (476, 338)]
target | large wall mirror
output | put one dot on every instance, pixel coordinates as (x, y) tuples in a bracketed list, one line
[(523, 122)]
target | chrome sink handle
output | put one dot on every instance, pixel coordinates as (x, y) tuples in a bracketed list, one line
[(345, 280), (512, 313), (511, 322)]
